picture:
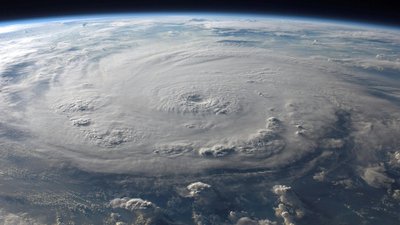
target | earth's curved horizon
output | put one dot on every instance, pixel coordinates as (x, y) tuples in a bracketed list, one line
[(199, 119)]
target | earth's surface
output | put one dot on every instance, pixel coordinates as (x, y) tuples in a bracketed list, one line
[(199, 119)]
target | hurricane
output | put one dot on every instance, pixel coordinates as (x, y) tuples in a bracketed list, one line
[(199, 119)]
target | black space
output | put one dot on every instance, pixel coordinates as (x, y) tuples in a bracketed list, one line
[(370, 11)]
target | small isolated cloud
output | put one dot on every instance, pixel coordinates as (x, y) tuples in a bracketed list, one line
[(248, 221), (395, 158), (321, 176), (131, 204), (396, 194), (195, 189), (346, 183), (376, 177)]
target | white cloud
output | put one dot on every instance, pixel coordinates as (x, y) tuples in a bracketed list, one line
[(321, 176), (376, 177), (248, 221), (196, 188), (396, 194), (290, 208), (395, 158), (131, 204), (16, 219), (216, 151)]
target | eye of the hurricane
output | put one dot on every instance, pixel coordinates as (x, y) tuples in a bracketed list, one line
[(209, 102), (196, 103), (194, 98)]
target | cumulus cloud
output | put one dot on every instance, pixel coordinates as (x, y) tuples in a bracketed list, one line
[(144, 212), (376, 177), (216, 151), (208, 205), (248, 221), (16, 219), (242, 218), (320, 176), (263, 143), (396, 194), (395, 158), (196, 188), (347, 183), (131, 203), (290, 208)]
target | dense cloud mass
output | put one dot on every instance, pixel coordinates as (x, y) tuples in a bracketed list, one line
[(211, 120)]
